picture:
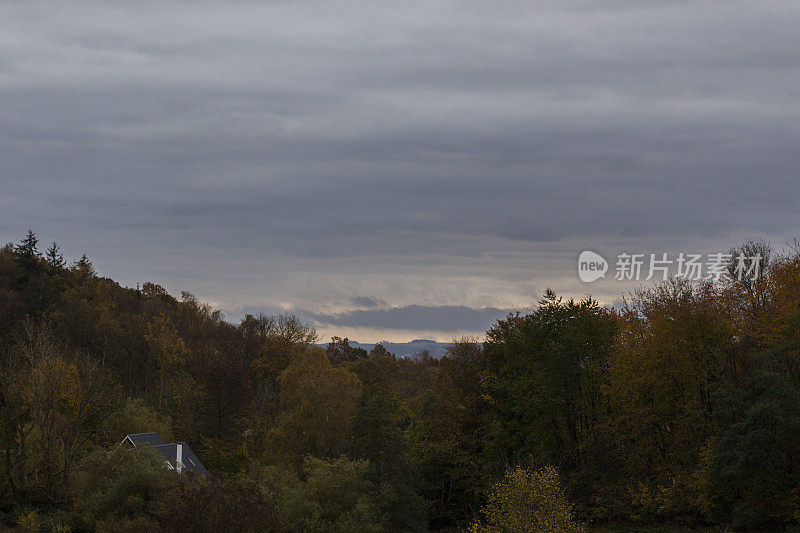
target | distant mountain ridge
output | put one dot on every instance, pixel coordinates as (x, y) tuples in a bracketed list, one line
[(407, 349)]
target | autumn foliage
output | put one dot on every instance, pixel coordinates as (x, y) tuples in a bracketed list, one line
[(679, 408)]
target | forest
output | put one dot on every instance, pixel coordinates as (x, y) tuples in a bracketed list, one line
[(679, 408)]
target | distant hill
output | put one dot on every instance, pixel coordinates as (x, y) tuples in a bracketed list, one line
[(407, 349)]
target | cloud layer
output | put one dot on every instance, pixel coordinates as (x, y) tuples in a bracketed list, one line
[(448, 318), (454, 155)]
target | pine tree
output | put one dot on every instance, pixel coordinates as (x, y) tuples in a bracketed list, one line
[(84, 265), (27, 252), (54, 256)]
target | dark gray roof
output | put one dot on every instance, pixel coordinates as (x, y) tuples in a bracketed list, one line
[(150, 439), (190, 460)]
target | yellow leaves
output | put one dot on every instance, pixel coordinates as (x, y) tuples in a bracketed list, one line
[(526, 501), (679, 495), (165, 343), (783, 314), (320, 401), (672, 346), (310, 376), (29, 520), (53, 386), (170, 353)]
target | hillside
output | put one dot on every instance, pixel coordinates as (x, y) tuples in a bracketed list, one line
[(682, 407)]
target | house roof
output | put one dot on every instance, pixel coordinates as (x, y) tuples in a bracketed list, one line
[(189, 460), (150, 439)]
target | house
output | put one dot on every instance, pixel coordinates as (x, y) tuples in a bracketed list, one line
[(179, 455), (138, 439)]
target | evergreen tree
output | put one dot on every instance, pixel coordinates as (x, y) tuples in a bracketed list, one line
[(84, 266), (27, 252), (54, 256)]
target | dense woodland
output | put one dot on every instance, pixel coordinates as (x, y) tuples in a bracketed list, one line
[(681, 408)]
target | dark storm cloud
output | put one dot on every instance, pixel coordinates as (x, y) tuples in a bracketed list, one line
[(272, 136)]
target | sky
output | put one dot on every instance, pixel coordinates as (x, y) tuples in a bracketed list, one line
[(395, 170)]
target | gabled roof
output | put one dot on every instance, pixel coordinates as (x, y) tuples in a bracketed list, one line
[(149, 439), (189, 459)]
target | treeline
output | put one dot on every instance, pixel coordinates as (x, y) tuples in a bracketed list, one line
[(681, 408)]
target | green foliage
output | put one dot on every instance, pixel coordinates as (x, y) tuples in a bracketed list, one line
[(333, 495), (55, 259), (134, 416), (131, 490), (342, 489), (340, 351), (120, 488), (543, 380), (28, 254), (754, 474)]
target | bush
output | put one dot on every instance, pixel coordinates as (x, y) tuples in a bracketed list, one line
[(216, 504), (117, 489), (29, 520), (526, 501), (336, 495)]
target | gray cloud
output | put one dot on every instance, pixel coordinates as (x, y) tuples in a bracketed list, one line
[(450, 154), (443, 319), (417, 318), (367, 302)]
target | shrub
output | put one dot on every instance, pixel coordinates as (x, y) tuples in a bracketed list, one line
[(336, 495), (216, 504), (29, 520), (118, 488), (526, 501)]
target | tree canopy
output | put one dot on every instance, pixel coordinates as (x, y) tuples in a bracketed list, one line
[(680, 407)]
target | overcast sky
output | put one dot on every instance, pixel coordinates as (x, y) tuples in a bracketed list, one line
[(395, 170)]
